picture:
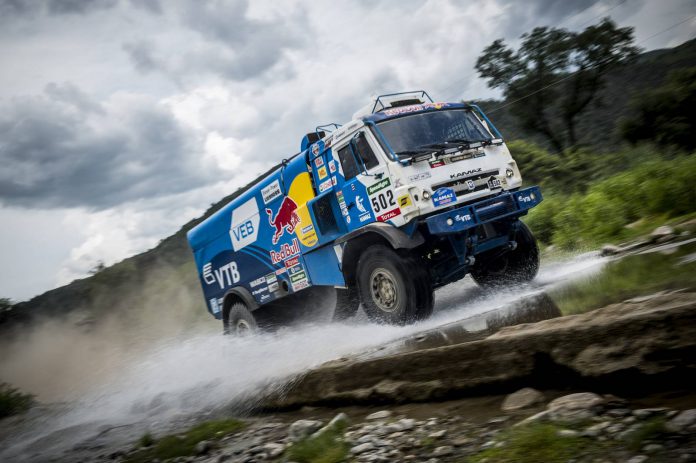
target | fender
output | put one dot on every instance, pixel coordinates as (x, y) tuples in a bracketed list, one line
[(243, 294), (395, 236)]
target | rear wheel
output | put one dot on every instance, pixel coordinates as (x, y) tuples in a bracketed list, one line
[(392, 287), (516, 266), (239, 321)]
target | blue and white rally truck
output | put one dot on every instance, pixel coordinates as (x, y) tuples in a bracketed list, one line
[(409, 196)]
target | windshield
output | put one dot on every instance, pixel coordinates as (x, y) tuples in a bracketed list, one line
[(417, 133)]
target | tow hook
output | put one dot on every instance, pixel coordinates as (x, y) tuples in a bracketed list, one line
[(512, 245), (470, 260)]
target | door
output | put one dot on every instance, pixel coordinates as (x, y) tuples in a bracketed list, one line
[(363, 187)]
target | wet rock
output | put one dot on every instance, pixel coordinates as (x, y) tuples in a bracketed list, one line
[(684, 422), (596, 429), (202, 447), (437, 434), (338, 421), (574, 407), (443, 451), (638, 459), (653, 448), (662, 234), (609, 250), (380, 415), (273, 449), (523, 398), (643, 413), (303, 428), (567, 433), (362, 448)]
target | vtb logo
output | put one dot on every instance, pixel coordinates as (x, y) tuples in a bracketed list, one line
[(286, 219)]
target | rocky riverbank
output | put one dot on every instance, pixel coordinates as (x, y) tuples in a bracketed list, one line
[(528, 427)]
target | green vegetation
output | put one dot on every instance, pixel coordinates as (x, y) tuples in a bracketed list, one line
[(657, 188), (328, 447), (183, 444), (13, 401), (629, 277), (652, 429), (667, 114), (533, 443)]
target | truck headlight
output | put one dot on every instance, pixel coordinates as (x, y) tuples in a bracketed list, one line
[(426, 195), (509, 172)]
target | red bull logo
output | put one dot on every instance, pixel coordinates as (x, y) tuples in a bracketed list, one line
[(286, 219)]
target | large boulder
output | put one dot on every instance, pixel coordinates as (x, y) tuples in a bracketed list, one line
[(646, 341), (523, 398)]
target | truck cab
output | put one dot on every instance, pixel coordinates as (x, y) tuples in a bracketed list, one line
[(409, 196)]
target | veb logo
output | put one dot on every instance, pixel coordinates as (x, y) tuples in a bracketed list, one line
[(244, 227)]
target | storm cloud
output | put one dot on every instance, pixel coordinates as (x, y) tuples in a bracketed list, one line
[(63, 149)]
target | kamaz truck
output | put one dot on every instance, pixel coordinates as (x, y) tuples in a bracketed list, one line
[(409, 196)]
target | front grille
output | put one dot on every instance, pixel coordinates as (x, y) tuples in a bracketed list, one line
[(461, 186), (495, 207)]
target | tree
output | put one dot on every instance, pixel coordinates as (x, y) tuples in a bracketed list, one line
[(666, 115), (555, 75)]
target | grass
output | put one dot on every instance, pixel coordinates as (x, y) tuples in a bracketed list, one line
[(183, 444), (13, 401), (329, 447), (652, 429), (534, 443), (629, 277)]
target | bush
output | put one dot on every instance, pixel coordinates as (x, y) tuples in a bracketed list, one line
[(13, 401)]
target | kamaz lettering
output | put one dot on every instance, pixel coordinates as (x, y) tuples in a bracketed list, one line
[(386, 209)]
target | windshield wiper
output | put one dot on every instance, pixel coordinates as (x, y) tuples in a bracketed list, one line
[(412, 152)]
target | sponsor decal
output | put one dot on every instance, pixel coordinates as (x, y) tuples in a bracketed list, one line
[(281, 270), (271, 278), (462, 218), (286, 219), (285, 251), (300, 275), (375, 187), (389, 215), (404, 200), (465, 173), (418, 177), (493, 183), (333, 181), (271, 192), (300, 285), (332, 166), (264, 297), (273, 287), (244, 226), (342, 203), (359, 204), (457, 158), (292, 262), (322, 172), (315, 149), (319, 162), (307, 229), (470, 184), (413, 108), (259, 291), (443, 196), (257, 282), (325, 185), (364, 218), (223, 276), (214, 306)]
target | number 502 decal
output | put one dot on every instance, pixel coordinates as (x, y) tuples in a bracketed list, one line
[(383, 201)]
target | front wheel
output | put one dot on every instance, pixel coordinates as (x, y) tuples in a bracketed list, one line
[(517, 266), (391, 289), (239, 321)]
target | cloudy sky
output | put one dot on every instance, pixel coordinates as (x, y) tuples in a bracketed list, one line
[(120, 120)]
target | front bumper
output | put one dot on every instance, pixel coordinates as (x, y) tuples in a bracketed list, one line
[(505, 205)]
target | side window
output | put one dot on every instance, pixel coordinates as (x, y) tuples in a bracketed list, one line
[(348, 162), (365, 152)]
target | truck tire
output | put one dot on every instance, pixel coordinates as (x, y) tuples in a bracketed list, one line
[(425, 295), (239, 322), (347, 303), (387, 288), (513, 267)]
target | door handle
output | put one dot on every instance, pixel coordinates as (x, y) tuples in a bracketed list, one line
[(350, 205)]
